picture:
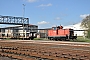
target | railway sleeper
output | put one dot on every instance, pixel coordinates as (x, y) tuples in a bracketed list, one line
[(24, 53), (14, 56), (39, 55)]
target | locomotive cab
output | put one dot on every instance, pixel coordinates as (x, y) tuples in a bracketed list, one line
[(72, 34)]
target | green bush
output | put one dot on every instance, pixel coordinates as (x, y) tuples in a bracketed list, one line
[(88, 33)]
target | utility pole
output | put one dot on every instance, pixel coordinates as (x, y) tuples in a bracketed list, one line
[(23, 19)]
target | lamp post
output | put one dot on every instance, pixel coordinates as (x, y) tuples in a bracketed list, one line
[(23, 19)]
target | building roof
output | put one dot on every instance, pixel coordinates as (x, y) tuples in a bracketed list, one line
[(31, 25), (16, 26), (75, 26)]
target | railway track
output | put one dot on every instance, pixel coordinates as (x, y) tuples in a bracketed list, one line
[(44, 50)]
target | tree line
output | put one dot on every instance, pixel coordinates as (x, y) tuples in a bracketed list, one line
[(86, 24)]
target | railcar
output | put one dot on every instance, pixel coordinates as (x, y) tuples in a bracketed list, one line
[(58, 33)]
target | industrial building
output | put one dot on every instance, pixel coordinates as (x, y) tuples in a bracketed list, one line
[(17, 31), (44, 33), (77, 27)]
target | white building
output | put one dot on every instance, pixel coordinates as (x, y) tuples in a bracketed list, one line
[(76, 27)]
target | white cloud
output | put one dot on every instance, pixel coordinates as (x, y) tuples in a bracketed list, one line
[(84, 16), (43, 22), (57, 18), (31, 1), (45, 5), (54, 25)]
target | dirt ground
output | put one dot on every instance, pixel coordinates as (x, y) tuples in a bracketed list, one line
[(43, 50)]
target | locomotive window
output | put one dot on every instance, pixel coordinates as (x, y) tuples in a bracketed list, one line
[(54, 28), (71, 32)]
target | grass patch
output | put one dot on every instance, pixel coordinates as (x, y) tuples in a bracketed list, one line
[(7, 38), (81, 39), (40, 39)]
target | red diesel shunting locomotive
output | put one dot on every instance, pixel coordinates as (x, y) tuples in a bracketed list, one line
[(58, 33)]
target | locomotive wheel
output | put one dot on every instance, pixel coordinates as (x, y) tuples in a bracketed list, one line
[(56, 39), (49, 38), (64, 39)]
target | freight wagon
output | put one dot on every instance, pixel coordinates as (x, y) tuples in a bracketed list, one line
[(58, 33)]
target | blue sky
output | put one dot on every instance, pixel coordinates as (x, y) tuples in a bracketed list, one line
[(47, 13)]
